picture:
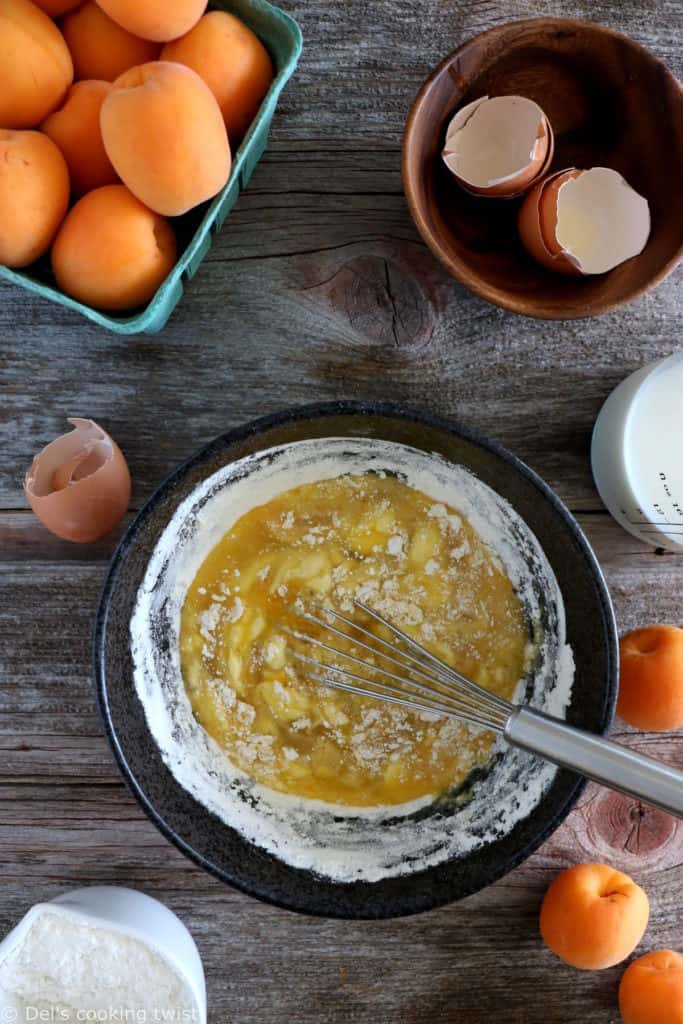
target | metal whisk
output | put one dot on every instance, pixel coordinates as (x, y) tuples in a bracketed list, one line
[(405, 673)]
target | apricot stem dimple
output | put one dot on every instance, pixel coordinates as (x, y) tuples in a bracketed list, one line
[(162, 236), (136, 77), (651, 989), (578, 927), (645, 647)]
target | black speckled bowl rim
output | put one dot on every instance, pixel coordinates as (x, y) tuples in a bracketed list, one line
[(221, 850)]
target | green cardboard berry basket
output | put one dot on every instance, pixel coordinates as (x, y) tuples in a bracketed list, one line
[(281, 36)]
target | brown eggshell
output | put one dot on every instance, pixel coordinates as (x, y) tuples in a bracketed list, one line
[(516, 184), (523, 181), (537, 219), (79, 484)]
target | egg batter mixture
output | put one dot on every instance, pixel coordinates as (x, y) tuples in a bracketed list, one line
[(416, 562)]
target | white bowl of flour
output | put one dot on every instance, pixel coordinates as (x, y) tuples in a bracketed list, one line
[(102, 953)]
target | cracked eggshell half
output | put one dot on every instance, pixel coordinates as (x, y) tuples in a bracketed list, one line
[(584, 222), (499, 146), (79, 484)]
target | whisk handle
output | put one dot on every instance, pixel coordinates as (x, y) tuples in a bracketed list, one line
[(599, 759)]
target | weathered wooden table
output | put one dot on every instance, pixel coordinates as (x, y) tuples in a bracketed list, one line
[(318, 287)]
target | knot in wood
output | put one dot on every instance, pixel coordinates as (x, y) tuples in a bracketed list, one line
[(627, 825), (384, 304)]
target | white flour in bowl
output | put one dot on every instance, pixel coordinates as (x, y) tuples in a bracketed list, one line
[(65, 969), (343, 843)]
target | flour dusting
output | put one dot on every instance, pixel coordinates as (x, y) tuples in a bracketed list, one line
[(339, 842)]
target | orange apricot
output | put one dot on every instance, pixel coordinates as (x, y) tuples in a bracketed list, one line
[(651, 989), (233, 62), (35, 65), (164, 134), (159, 20), (34, 195), (75, 128), (111, 252), (56, 8), (593, 917), (99, 47), (651, 678)]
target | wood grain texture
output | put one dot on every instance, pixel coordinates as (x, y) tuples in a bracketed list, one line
[(318, 287), (67, 820)]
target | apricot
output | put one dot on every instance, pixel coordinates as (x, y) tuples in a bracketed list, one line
[(34, 195), (651, 989), (56, 8), (164, 134), (75, 128), (111, 251), (233, 62), (651, 678), (100, 48), (159, 20), (35, 65), (593, 917)]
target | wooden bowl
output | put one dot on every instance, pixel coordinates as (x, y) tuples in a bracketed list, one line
[(611, 103)]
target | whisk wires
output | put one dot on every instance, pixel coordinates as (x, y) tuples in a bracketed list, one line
[(417, 679)]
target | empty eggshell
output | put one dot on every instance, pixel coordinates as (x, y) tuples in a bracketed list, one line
[(584, 222), (498, 147), (536, 224), (79, 484)]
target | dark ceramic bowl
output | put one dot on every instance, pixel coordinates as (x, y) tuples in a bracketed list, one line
[(221, 850), (611, 103)]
